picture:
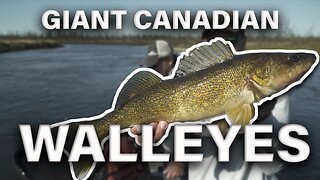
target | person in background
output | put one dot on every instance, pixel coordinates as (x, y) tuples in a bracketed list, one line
[(275, 112), (161, 57)]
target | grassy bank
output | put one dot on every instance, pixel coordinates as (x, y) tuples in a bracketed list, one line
[(131, 40), (8, 45), (180, 43), (284, 43)]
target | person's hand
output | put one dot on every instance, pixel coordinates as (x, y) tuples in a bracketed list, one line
[(174, 170), (159, 129)]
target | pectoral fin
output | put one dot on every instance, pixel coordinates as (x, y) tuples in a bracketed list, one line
[(241, 115)]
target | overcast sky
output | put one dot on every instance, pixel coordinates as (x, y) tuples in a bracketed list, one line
[(23, 16)]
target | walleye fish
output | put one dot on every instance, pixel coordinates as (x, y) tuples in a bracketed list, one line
[(210, 81)]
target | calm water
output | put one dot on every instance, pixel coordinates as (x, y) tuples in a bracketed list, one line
[(46, 86)]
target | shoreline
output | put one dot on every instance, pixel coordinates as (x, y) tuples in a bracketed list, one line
[(181, 43), (13, 45), (21, 44)]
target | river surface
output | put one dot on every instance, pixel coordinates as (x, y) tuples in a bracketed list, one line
[(51, 85)]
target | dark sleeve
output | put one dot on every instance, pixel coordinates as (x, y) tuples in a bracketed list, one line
[(265, 109)]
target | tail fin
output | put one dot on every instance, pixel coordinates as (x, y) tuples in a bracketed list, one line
[(85, 166), (82, 169)]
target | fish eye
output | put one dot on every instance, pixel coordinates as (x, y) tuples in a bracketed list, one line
[(293, 58)]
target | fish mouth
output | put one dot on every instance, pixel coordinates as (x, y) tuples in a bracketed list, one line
[(304, 65), (303, 69), (307, 64)]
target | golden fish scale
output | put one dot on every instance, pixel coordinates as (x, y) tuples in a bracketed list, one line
[(203, 94)]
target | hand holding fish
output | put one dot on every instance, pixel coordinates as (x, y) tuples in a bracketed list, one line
[(159, 129)]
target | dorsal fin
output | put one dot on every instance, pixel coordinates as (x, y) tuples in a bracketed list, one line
[(135, 85), (203, 57)]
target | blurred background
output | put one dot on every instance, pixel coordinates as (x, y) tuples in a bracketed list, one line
[(51, 76)]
